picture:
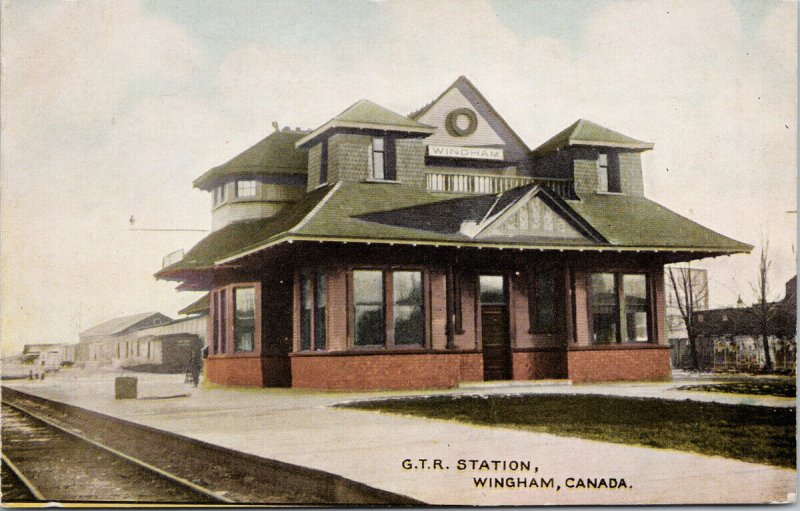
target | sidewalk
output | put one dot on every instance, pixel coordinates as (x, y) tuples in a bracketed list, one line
[(299, 426)]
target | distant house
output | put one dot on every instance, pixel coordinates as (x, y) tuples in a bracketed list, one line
[(733, 335), (50, 356), (98, 345)]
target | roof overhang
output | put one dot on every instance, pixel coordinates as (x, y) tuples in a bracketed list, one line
[(422, 129), (629, 146), (483, 245)]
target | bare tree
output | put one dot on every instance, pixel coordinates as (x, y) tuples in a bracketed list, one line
[(764, 310), (689, 293)]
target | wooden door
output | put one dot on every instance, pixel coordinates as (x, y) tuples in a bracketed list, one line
[(494, 333)]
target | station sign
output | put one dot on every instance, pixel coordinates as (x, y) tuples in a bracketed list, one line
[(473, 153)]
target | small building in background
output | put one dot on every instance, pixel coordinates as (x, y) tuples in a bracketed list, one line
[(149, 342), (98, 345), (47, 357), (162, 353), (734, 337)]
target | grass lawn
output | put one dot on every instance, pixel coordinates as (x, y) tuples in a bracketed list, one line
[(783, 387), (751, 433)]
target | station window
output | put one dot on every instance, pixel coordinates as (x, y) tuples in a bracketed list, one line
[(219, 194), (240, 302), (246, 188), (620, 308), (375, 324), (244, 320), (313, 293), (368, 301), (608, 178), (382, 161), (408, 307), (323, 162), (543, 301)]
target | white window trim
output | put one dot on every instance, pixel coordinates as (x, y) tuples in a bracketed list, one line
[(254, 189)]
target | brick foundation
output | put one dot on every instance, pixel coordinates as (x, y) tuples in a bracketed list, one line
[(386, 371), (249, 371), (636, 363), (539, 365)]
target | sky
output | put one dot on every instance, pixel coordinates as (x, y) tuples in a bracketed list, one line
[(110, 110)]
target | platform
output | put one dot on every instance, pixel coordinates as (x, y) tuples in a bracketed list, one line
[(301, 427)]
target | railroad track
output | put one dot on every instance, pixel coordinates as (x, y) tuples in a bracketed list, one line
[(57, 464), (58, 452)]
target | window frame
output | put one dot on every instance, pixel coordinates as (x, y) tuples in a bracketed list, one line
[(389, 164), (323, 162), (621, 337), (382, 152), (613, 179), (240, 188), (222, 317), (315, 277), (388, 305), (534, 302), (218, 195), (236, 319)]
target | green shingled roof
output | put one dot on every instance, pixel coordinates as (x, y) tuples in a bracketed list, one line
[(199, 306), (276, 154), (583, 132), (240, 236), (632, 221), (369, 212), (367, 115)]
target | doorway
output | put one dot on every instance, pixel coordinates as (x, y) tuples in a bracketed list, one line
[(494, 327)]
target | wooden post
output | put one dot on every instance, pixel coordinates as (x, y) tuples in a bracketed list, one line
[(450, 309)]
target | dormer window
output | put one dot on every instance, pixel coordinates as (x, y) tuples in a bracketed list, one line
[(382, 160), (378, 158), (608, 180), (246, 188), (323, 162)]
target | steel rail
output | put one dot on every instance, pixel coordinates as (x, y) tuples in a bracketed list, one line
[(24, 480), (162, 473)]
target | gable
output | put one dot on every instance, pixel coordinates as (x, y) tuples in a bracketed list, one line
[(532, 219), (450, 116)]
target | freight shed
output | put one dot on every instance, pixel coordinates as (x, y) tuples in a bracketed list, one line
[(166, 353)]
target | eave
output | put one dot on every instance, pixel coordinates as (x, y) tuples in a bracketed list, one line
[(423, 129), (484, 245)]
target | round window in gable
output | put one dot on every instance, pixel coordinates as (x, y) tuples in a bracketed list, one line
[(461, 122)]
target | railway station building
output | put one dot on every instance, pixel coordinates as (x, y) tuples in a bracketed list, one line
[(389, 251)]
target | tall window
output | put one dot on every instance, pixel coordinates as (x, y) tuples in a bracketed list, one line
[(246, 188), (323, 162), (223, 321), (620, 308), (383, 160), (608, 178), (543, 302), (378, 158), (312, 311), (636, 322), (219, 194), (244, 322), (368, 300), (401, 324), (409, 325), (605, 308), (215, 321)]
